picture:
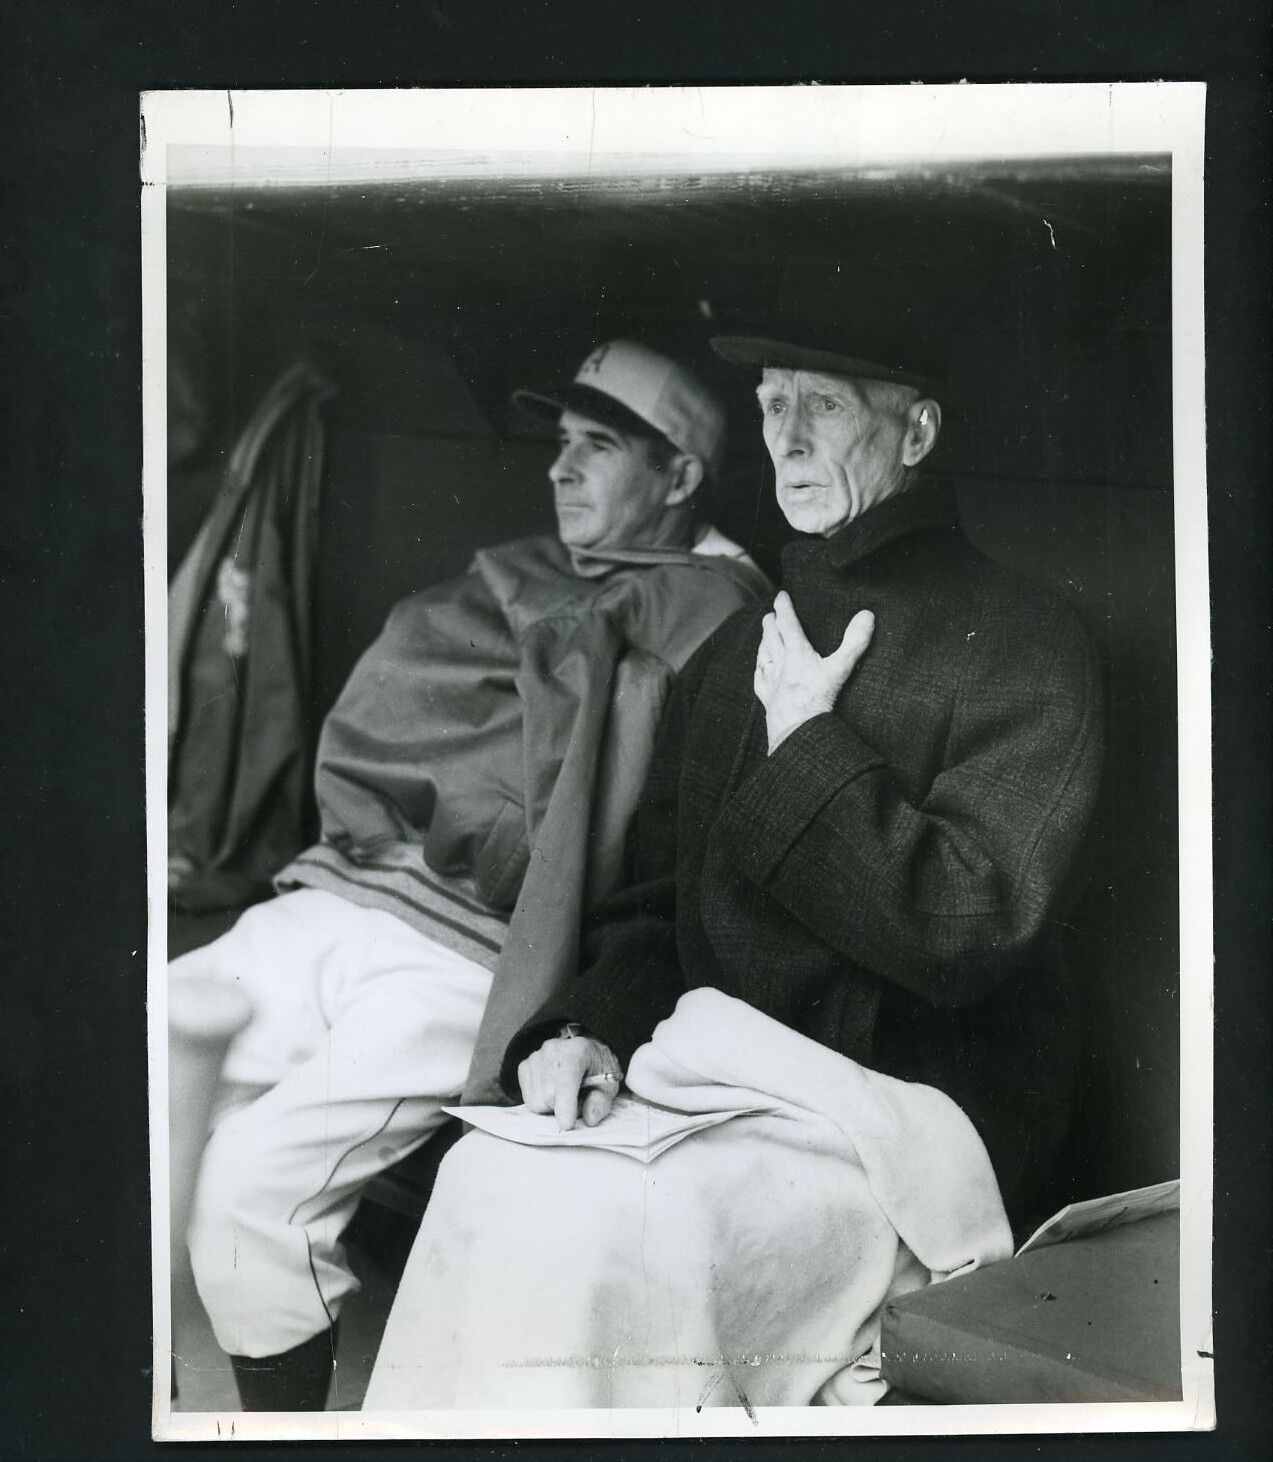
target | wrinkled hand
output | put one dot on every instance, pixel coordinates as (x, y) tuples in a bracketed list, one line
[(552, 1078), (793, 682)]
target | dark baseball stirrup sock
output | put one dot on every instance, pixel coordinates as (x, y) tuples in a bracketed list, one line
[(292, 1380)]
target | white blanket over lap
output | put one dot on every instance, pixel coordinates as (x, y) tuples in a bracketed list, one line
[(747, 1265)]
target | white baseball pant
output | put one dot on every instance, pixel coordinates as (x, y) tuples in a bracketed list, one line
[(362, 1029)]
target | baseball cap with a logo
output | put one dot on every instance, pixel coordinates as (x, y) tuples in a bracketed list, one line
[(635, 389)]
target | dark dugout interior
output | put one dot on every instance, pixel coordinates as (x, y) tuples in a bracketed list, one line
[(426, 303)]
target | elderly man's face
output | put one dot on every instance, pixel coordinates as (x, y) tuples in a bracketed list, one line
[(836, 451), (609, 488)]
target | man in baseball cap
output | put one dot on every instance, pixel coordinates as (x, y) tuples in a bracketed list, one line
[(638, 435), (510, 709)]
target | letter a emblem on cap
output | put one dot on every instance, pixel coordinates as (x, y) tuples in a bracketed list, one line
[(592, 366)]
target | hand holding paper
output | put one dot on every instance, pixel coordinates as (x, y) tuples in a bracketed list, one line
[(553, 1077)]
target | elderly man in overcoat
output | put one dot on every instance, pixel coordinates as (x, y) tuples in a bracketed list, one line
[(861, 821)]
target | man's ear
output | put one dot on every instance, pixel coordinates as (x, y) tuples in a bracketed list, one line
[(685, 476), (923, 427)]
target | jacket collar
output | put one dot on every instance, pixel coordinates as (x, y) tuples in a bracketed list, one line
[(922, 508)]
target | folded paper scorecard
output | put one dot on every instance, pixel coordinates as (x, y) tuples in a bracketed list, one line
[(633, 1128)]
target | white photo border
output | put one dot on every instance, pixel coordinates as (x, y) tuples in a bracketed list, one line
[(254, 137)]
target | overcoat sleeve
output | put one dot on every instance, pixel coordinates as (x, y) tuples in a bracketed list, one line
[(943, 893)]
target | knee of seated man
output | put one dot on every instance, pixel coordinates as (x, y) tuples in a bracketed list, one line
[(239, 1218), (241, 1178)]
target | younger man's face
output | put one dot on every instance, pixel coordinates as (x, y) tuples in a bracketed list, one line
[(609, 488)]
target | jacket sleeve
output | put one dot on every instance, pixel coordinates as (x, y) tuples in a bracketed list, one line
[(629, 976), (416, 716), (944, 893)]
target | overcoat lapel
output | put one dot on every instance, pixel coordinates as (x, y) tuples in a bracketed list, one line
[(727, 716)]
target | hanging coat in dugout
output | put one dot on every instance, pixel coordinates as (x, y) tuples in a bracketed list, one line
[(240, 661)]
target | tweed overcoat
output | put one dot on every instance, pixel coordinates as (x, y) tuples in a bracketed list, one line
[(889, 879)]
